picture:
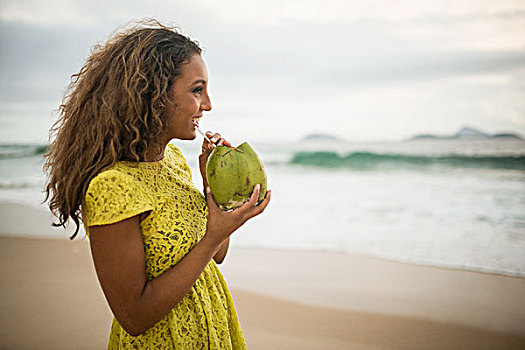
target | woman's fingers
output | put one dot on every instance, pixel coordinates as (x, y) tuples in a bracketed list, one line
[(212, 205), (224, 142), (223, 223), (206, 145), (255, 194), (216, 140), (250, 209), (259, 208), (265, 201)]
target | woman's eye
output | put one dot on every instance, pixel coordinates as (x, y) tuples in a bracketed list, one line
[(197, 90)]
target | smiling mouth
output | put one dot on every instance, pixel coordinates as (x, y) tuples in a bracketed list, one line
[(195, 121)]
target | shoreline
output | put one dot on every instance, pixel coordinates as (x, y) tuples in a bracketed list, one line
[(11, 214), (366, 284), (284, 300), (386, 259)]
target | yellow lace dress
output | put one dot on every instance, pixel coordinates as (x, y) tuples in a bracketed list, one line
[(206, 317)]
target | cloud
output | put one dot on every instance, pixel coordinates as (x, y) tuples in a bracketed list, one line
[(289, 62), (428, 66), (36, 61)]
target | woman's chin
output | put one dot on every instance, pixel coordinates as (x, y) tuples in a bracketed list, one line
[(191, 136), (185, 137)]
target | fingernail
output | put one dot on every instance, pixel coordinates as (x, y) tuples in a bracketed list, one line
[(208, 190)]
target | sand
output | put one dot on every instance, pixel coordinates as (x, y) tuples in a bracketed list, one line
[(51, 299)]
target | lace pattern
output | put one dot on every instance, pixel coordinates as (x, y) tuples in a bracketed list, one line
[(206, 317)]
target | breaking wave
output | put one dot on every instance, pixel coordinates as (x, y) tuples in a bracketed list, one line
[(373, 161), (21, 151)]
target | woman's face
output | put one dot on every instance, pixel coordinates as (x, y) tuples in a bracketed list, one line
[(190, 98)]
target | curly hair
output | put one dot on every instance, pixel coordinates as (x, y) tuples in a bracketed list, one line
[(114, 109)]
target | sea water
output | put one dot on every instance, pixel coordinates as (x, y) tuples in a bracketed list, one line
[(449, 203)]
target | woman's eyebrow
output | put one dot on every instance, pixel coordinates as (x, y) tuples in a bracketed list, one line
[(201, 81)]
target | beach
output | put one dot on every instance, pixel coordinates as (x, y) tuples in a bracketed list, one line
[(391, 135), (51, 298)]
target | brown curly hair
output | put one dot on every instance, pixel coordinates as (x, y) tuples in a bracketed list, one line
[(114, 109)]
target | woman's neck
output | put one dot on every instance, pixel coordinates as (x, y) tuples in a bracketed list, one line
[(155, 153)]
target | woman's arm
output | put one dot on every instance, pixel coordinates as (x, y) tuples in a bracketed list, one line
[(223, 250), (118, 255), (216, 140)]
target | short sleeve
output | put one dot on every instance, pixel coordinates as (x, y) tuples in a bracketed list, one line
[(113, 196), (178, 157)]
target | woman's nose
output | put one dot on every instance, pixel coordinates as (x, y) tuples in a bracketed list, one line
[(206, 103)]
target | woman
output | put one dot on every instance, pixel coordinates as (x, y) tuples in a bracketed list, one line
[(155, 239)]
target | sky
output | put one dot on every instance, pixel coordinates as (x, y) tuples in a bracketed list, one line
[(279, 70)]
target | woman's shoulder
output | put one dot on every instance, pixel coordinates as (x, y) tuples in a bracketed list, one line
[(175, 157), (119, 170), (113, 195), (108, 178), (123, 175), (173, 152)]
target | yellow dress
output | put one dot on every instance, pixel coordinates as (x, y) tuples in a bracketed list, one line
[(206, 317)]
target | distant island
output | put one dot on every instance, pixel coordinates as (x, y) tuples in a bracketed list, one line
[(469, 134), (321, 138)]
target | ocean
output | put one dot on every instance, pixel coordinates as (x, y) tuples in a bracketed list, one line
[(448, 203)]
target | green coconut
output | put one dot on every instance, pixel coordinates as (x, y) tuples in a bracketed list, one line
[(232, 174)]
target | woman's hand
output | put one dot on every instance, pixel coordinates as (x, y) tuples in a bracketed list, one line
[(221, 224), (207, 147)]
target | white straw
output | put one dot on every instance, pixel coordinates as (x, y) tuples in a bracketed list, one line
[(203, 134), (206, 137)]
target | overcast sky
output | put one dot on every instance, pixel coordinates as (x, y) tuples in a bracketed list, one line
[(361, 70)]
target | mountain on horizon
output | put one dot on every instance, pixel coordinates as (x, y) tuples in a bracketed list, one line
[(321, 138), (468, 133)]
